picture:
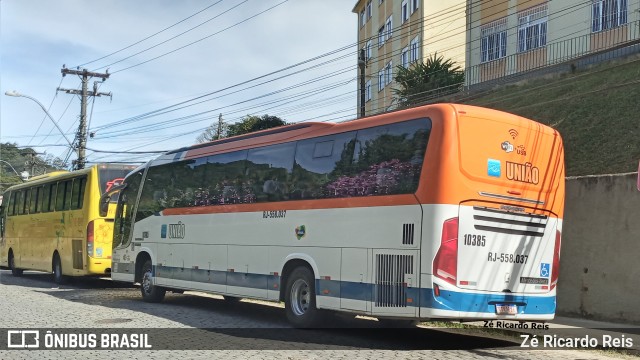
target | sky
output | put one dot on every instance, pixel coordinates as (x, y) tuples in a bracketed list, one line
[(174, 67)]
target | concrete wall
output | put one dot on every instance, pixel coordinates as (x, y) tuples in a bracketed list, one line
[(600, 254)]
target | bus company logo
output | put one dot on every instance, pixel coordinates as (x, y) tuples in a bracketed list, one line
[(23, 339), (506, 146), (176, 231), (494, 168), (301, 231), (114, 182), (511, 208), (526, 172)]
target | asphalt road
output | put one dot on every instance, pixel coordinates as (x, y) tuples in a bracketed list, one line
[(194, 326)]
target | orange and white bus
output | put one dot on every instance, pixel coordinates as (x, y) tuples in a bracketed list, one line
[(442, 211), (52, 223)]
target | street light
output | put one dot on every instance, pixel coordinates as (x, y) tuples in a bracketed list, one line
[(24, 175), (17, 94)]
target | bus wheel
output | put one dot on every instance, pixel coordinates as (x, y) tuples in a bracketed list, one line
[(12, 265), (300, 299), (150, 292), (58, 278)]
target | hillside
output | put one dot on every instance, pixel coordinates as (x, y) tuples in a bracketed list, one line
[(597, 112)]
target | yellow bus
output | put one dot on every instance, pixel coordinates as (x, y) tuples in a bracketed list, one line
[(52, 223)]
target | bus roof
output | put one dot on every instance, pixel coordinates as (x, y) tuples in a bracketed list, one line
[(311, 129)]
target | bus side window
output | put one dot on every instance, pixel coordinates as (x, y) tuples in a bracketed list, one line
[(320, 161), (12, 203), (77, 193), (270, 169), (50, 197), (20, 202), (34, 200)]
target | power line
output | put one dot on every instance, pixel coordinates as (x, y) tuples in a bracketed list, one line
[(150, 36)]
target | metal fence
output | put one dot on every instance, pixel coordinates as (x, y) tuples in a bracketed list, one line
[(561, 55)]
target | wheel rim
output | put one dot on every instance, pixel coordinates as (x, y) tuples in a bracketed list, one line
[(300, 297), (146, 282)]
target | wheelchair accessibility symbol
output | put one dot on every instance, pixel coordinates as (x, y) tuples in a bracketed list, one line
[(544, 269)]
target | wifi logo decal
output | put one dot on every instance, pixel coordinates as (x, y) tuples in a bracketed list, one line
[(513, 133)]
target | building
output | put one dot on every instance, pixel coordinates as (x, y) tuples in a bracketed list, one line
[(511, 37), (395, 33)]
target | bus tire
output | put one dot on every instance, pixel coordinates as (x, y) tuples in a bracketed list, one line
[(12, 265), (300, 298), (56, 266), (150, 292)]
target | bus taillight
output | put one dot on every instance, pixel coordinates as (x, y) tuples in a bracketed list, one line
[(90, 238), (555, 271), (445, 265)]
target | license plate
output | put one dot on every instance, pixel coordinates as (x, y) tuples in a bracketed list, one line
[(506, 309)]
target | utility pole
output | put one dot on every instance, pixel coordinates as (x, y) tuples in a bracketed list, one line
[(85, 75), (362, 64), (220, 125)]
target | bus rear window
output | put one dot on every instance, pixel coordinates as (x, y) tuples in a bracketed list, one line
[(112, 176)]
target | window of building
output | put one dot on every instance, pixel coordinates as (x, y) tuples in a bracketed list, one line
[(369, 10), (532, 28), (381, 79), (404, 57), (389, 26), (405, 10), (493, 41), (367, 52), (380, 2), (363, 19), (389, 72), (608, 14), (414, 54), (414, 5), (381, 36), (367, 95)]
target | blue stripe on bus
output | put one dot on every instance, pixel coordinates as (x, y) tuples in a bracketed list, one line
[(448, 300)]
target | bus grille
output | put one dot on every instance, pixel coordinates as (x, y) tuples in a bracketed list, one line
[(390, 287), (504, 222), (407, 234)]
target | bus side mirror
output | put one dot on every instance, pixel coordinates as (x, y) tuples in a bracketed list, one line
[(105, 199)]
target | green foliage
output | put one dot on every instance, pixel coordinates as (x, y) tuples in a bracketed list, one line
[(21, 159), (428, 80), (252, 123)]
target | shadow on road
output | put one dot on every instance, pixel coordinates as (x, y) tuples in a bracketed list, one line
[(221, 324)]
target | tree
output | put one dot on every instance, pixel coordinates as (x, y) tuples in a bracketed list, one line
[(252, 123), (22, 159), (428, 80)]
